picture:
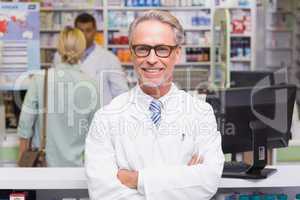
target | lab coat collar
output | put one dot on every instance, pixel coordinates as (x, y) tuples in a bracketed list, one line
[(143, 100), (88, 51)]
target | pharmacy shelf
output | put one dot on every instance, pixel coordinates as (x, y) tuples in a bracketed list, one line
[(74, 178), (240, 60), (126, 64), (279, 49), (58, 30), (240, 35), (50, 30), (122, 29), (195, 28), (48, 47), (194, 64), (172, 8), (118, 46), (279, 30), (183, 46), (287, 12), (234, 7), (53, 9), (196, 46)]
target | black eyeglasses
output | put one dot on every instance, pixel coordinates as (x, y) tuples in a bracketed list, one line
[(162, 51)]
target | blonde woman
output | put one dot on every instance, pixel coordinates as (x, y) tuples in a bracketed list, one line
[(72, 101)]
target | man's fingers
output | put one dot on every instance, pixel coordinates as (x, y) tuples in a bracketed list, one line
[(200, 160), (193, 160)]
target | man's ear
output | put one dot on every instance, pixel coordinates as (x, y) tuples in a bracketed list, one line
[(178, 52)]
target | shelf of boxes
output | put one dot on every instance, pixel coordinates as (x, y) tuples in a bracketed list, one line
[(279, 37), (169, 8), (114, 17), (236, 51), (55, 15), (84, 8), (119, 18)]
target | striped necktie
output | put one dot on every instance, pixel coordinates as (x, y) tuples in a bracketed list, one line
[(155, 108)]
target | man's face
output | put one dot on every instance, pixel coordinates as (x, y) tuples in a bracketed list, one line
[(89, 31), (154, 71)]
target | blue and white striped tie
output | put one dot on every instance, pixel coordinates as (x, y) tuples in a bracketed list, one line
[(155, 108)]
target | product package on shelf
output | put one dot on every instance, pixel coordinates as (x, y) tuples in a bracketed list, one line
[(240, 48), (194, 18), (241, 21), (233, 3), (123, 54), (71, 3), (49, 40), (120, 19), (197, 55), (160, 3), (280, 21), (58, 20), (198, 38), (277, 40), (116, 3)]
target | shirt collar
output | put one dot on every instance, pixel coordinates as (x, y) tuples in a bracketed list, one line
[(143, 100), (88, 51)]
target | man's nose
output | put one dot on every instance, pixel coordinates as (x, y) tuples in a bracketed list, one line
[(152, 57)]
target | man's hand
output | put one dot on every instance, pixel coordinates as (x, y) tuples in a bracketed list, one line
[(128, 178), (195, 160)]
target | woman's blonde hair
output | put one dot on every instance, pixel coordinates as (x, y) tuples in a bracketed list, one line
[(163, 17), (71, 45)]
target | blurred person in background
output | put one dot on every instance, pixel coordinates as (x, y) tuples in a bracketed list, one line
[(99, 63), (72, 100)]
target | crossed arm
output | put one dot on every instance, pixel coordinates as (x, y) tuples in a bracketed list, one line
[(130, 178)]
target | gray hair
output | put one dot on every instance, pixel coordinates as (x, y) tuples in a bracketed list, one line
[(163, 17)]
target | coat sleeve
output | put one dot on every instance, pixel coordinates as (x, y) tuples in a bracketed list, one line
[(189, 182), (101, 167), (117, 80), (29, 111)]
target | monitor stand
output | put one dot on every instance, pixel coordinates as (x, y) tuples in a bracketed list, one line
[(260, 157)]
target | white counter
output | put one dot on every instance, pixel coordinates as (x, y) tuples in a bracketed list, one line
[(74, 178)]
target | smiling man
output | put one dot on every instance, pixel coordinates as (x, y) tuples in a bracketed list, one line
[(155, 142)]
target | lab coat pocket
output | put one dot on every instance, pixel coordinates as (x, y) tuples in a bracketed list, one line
[(187, 148)]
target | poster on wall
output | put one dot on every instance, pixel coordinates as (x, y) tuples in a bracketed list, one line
[(19, 41)]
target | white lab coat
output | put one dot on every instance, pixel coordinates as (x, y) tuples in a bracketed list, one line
[(122, 136), (104, 67)]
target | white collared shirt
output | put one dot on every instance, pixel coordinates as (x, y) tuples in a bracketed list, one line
[(122, 136)]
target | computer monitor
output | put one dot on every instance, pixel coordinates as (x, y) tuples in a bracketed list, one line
[(252, 78), (254, 118)]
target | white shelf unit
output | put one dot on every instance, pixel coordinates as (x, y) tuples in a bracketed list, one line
[(75, 178), (106, 8), (234, 42), (51, 180), (179, 8), (247, 60)]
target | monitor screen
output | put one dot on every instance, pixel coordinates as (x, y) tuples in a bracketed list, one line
[(253, 78), (235, 108)]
